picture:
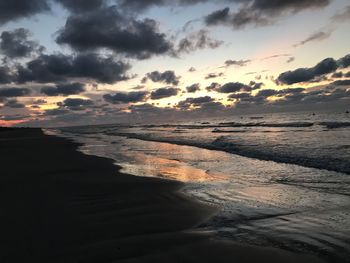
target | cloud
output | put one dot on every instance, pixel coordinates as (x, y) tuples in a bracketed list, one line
[(16, 117), (59, 67), (218, 17), (5, 75), (345, 82), (16, 9), (240, 96), (290, 60), (131, 97), (140, 5), (197, 40), (326, 66), (318, 36), (214, 75), (276, 56), (168, 77), (164, 93), (344, 62), (193, 88), (137, 5), (14, 104), (261, 98), (15, 44), (39, 102), (107, 28), (64, 89), (238, 63), (213, 86), (339, 74), (14, 92), (325, 95), (185, 104), (138, 87), (255, 85), (260, 12), (232, 87), (56, 112), (342, 15), (81, 5), (75, 104)]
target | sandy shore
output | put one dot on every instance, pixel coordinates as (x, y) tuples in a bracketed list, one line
[(59, 205)]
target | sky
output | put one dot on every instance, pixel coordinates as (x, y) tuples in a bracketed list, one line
[(84, 62)]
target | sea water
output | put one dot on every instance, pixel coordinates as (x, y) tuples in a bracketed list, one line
[(280, 180)]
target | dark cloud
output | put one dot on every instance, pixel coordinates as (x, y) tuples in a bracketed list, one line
[(108, 28), (238, 63), (14, 117), (344, 62), (326, 66), (168, 77), (16, 9), (213, 86), (345, 82), (193, 88), (232, 87), (212, 107), (64, 89), (5, 75), (218, 17), (267, 93), (14, 104), (197, 40), (131, 97), (339, 74), (255, 85), (260, 12), (14, 92), (318, 36), (320, 96), (164, 93), (59, 67), (214, 75), (75, 104), (15, 44), (241, 96), (39, 102), (261, 98), (140, 5), (56, 112), (185, 104), (81, 5)]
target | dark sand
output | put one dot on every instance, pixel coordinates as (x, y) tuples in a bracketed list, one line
[(59, 205)]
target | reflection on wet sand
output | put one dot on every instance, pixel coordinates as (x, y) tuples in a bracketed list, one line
[(171, 168)]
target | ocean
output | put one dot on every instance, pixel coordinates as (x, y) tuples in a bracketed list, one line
[(280, 180)]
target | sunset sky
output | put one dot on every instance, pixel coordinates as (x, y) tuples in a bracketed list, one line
[(67, 62)]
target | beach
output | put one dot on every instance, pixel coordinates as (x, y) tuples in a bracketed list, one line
[(59, 205)]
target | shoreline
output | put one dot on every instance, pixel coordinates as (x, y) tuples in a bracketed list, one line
[(60, 205)]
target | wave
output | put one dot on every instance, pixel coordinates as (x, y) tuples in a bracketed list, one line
[(206, 125), (335, 125), (220, 144), (271, 125)]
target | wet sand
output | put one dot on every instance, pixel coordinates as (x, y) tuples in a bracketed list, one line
[(59, 205)]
